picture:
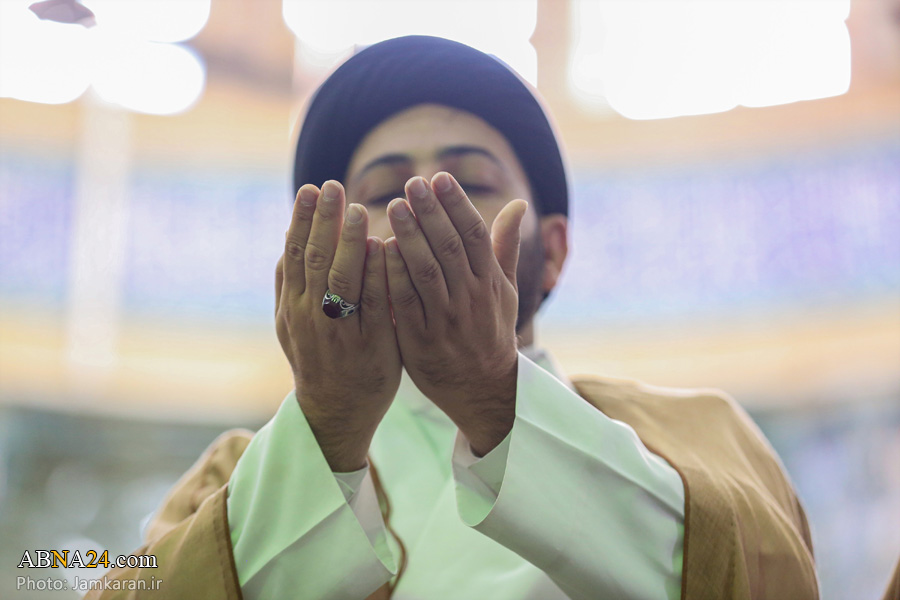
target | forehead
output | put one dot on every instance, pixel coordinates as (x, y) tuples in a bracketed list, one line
[(421, 131)]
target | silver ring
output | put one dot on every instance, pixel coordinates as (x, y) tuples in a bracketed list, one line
[(336, 307)]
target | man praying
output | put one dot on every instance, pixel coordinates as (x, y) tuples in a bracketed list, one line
[(430, 448)]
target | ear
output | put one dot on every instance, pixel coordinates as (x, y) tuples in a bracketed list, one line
[(554, 232)]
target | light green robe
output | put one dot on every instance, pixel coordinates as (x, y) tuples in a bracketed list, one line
[(573, 503), (584, 510)]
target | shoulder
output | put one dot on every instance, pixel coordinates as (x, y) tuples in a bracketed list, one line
[(624, 386), (684, 409), (605, 391), (207, 475), (215, 465), (695, 429), (231, 443)]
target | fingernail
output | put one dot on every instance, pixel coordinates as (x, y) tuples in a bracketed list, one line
[(307, 197), (371, 246), (417, 188), (331, 191), (391, 245), (399, 209), (354, 213), (442, 182)]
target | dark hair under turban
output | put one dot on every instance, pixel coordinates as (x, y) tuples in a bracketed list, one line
[(391, 76)]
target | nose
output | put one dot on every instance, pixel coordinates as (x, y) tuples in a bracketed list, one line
[(426, 169), (379, 224)]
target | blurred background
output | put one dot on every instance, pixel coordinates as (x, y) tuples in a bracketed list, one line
[(735, 222)]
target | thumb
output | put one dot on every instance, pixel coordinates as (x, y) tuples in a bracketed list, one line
[(279, 282), (505, 237)]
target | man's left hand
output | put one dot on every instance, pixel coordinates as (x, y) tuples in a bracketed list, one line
[(453, 294)]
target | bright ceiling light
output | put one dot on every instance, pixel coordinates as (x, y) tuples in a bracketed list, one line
[(152, 20), (124, 56), (158, 79), (499, 27), (41, 61), (665, 58)]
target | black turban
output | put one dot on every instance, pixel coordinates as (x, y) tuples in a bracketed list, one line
[(391, 76)]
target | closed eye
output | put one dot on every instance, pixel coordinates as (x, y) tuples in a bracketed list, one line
[(476, 190), (469, 189), (386, 198)]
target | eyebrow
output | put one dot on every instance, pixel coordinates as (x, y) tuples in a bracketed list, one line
[(448, 152)]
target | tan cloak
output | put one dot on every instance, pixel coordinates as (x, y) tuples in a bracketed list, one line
[(893, 589), (746, 535)]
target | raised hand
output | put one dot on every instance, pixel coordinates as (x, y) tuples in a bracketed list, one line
[(454, 299), (346, 370)]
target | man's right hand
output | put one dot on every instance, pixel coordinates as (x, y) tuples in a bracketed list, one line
[(346, 370)]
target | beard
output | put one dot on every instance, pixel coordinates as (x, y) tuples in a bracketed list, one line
[(530, 275)]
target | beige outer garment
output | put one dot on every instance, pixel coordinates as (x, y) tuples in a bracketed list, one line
[(893, 590), (746, 535)]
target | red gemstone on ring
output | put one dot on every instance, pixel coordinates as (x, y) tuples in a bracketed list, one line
[(332, 309), (336, 307)]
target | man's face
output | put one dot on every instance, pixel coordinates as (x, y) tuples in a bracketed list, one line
[(429, 138)]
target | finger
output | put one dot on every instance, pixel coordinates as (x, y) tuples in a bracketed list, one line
[(506, 235), (323, 237), (424, 269), (280, 325), (468, 222), (346, 274), (446, 245), (405, 302), (279, 282), (374, 308), (297, 236)]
